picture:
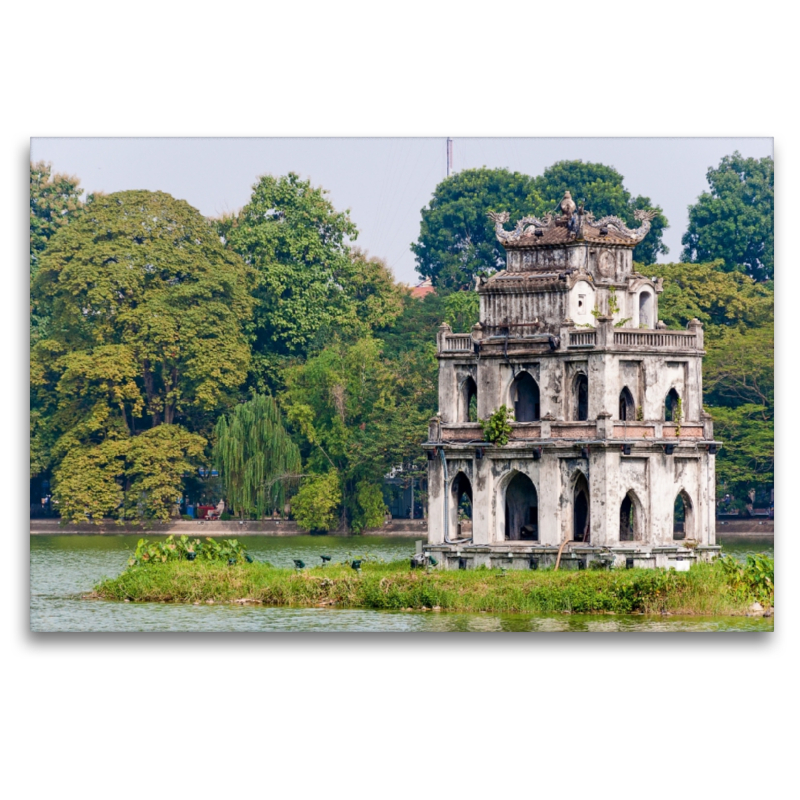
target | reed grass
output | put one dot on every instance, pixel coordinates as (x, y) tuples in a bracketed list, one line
[(704, 590)]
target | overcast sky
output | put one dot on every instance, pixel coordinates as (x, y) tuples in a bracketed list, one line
[(385, 182)]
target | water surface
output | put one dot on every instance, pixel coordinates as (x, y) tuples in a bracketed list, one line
[(65, 567)]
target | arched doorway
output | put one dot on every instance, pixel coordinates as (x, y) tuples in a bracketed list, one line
[(461, 506), (682, 517), (581, 397), (671, 406), (630, 518), (627, 409), (525, 397), (646, 310), (468, 401), (580, 510), (522, 509)]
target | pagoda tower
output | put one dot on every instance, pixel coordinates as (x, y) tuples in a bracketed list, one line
[(610, 455)]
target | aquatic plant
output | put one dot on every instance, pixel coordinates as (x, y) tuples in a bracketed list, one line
[(228, 550)]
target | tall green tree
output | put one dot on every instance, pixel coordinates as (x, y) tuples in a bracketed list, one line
[(146, 312), (739, 367), (256, 457), (310, 283), (346, 402), (601, 190), (55, 200), (734, 221), (457, 239)]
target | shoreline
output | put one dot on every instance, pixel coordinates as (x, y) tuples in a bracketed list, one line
[(228, 529), (744, 529)]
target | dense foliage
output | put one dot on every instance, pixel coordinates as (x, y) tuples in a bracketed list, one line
[(310, 283), (734, 221), (738, 370), (256, 456), (146, 311), (457, 239), (266, 345)]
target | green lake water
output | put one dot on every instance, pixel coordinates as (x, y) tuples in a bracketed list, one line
[(65, 567)]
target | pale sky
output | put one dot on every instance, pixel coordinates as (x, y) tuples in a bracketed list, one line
[(385, 182)]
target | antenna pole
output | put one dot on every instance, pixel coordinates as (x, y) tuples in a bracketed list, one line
[(449, 156)]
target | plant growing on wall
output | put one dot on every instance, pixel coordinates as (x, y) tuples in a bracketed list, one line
[(497, 429), (613, 305)]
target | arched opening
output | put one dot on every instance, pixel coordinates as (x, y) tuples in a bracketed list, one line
[(671, 406), (646, 310), (580, 511), (522, 509), (581, 397), (630, 521), (525, 397), (468, 401), (683, 517), (461, 505), (627, 409)]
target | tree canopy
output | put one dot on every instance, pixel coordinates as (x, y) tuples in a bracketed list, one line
[(457, 239), (310, 283), (734, 221), (346, 402), (739, 367), (602, 191), (256, 457), (146, 312)]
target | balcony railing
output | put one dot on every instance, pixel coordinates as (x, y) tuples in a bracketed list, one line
[(582, 338), (684, 340), (456, 343)]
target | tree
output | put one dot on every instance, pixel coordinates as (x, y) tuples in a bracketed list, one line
[(256, 456), (601, 190), (146, 312), (462, 310), (346, 402), (314, 507), (55, 200), (134, 478), (714, 297), (310, 283), (457, 239), (734, 221), (739, 368)]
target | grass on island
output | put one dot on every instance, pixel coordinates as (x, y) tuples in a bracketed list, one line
[(707, 589)]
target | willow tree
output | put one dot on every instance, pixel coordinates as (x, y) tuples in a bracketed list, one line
[(257, 459)]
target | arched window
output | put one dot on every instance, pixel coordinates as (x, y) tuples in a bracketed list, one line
[(522, 509), (525, 396), (626, 407), (580, 511), (461, 504), (683, 517), (671, 406), (468, 401), (646, 310), (581, 397), (628, 520)]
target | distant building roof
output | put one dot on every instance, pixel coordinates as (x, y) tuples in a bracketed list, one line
[(420, 290)]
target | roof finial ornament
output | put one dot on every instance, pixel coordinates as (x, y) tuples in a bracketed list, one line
[(567, 205)]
